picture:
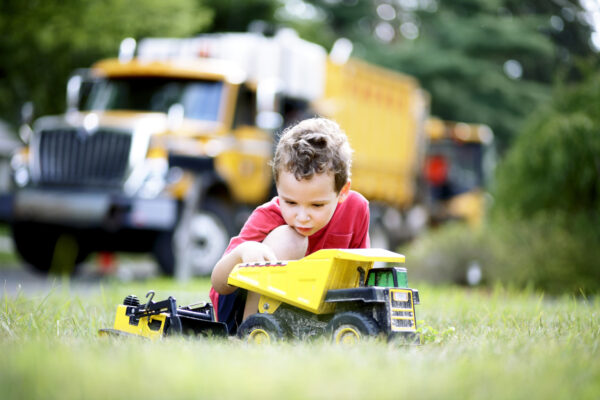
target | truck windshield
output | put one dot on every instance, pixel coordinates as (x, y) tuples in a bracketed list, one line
[(464, 163), (200, 99), (382, 278)]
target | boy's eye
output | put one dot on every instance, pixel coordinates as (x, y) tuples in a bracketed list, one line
[(291, 203), (318, 205)]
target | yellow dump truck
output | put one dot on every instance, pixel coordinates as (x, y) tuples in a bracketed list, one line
[(332, 291), (165, 148), (459, 162), (383, 113)]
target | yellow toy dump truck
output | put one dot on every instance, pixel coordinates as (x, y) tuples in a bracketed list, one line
[(332, 291)]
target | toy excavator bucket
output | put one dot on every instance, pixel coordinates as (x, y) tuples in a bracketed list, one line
[(304, 283)]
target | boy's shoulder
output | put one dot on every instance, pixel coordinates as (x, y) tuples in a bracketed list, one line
[(268, 210), (356, 199), (355, 204)]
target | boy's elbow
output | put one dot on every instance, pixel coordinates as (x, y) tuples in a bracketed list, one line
[(220, 285)]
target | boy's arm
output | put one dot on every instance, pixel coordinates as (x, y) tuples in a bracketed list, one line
[(245, 252)]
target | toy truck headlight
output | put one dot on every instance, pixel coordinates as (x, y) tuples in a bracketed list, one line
[(400, 296)]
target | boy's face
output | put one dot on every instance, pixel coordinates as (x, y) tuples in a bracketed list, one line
[(308, 205)]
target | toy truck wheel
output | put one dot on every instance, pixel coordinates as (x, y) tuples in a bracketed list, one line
[(262, 329), (350, 328)]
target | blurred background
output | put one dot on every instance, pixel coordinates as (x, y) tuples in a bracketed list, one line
[(135, 136)]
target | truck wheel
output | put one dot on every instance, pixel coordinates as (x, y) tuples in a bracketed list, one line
[(206, 237), (350, 328), (262, 329), (47, 250), (210, 231)]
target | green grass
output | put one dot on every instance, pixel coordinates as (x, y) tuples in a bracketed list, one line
[(482, 344)]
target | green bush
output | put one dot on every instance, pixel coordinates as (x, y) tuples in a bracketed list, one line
[(544, 227), (446, 254), (554, 165), (545, 224), (556, 253)]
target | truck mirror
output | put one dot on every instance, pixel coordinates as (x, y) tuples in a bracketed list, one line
[(79, 86), (175, 116), (267, 100), (27, 111), (269, 120), (73, 90)]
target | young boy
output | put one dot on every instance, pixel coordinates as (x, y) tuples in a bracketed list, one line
[(314, 209)]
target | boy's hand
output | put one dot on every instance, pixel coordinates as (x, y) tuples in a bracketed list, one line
[(255, 252)]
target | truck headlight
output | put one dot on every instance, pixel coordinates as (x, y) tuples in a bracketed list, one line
[(400, 296), (148, 179), (155, 180), (19, 164)]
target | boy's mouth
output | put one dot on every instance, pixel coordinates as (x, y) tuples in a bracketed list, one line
[(303, 231)]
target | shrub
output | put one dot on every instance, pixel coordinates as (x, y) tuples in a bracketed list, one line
[(557, 253), (546, 216), (447, 254)]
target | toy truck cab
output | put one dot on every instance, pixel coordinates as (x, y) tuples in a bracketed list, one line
[(333, 291)]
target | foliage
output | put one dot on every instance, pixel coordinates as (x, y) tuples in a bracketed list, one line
[(486, 61), (547, 208), (445, 254), (557, 253), (498, 343), (237, 15), (555, 163), (41, 43), (543, 228)]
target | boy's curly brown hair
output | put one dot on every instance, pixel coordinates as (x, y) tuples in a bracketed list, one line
[(314, 146)]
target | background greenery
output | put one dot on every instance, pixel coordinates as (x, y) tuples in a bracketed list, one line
[(544, 225), (486, 61)]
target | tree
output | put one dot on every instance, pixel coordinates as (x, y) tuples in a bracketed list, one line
[(42, 42), (489, 61), (237, 15), (554, 165)]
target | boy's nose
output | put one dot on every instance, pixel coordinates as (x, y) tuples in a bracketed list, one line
[(302, 216)]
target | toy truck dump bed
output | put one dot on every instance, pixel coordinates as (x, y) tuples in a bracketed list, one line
[(304, 283)]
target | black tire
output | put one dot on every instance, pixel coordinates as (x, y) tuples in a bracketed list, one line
[(351, 327), (210, 229), (48, 250), (262, 329)]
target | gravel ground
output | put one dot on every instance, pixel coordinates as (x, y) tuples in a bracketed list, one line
[(16, 278)]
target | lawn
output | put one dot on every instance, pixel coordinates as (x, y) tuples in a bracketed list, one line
[(477, 343)]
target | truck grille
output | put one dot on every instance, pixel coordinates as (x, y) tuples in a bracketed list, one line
[(402, 310), (73, 157)]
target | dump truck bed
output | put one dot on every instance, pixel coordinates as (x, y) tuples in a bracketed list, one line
[(304, 283)]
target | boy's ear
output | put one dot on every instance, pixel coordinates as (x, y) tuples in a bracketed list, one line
[(344, 192)]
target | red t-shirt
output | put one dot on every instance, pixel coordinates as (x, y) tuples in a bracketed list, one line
[(347, 229)]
